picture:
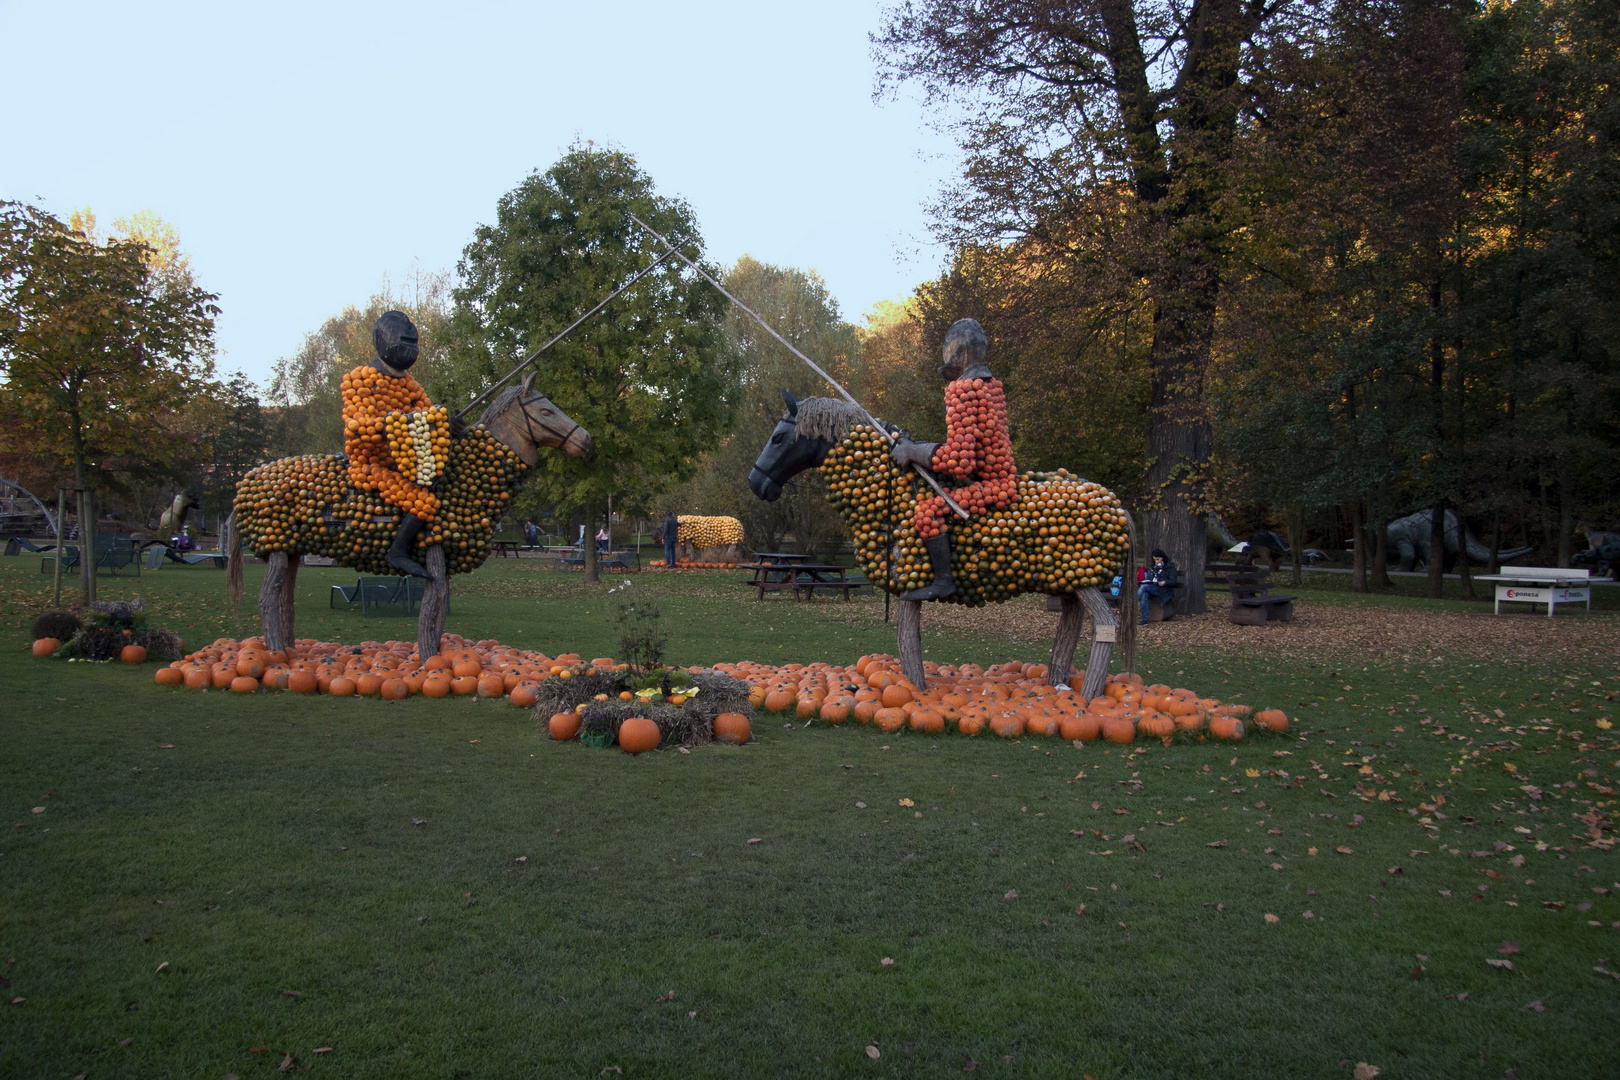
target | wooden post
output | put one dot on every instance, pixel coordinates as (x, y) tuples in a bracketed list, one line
[(270, 600), (908, 626), (435, 603), (1103, 631), (289, 596), (1068, 636), (61, 505)]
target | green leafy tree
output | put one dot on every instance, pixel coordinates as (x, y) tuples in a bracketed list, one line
[(241, 441), (97, 352), (649, 376)]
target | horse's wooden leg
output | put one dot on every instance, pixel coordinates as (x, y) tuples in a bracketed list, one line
[(271, 600), (435, 603), (909, 633), (1104, 629), (1068, 636), (289, 594)]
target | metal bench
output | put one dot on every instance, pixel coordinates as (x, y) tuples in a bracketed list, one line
[(390, 596)]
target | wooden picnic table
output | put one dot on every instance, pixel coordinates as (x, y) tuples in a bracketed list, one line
[(504, 548), (780, 557), (805, 576)]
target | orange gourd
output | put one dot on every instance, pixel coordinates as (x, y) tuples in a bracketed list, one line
[(466, 667), (1272, 719), (866, 710), (732, 727), (1085, 727), (1117, 730), (563, 726), (1009, 725), (638, 735), (435, 686)]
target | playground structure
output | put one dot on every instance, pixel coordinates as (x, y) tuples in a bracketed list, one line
[(307, 505)]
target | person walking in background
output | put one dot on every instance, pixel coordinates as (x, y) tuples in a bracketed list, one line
[(672, 528), (1157, 584), (602, 540)]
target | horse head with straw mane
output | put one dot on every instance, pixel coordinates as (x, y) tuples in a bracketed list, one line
[(306, 505), (1061, 535)]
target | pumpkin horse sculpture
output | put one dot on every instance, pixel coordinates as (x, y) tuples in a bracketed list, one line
[(301, 505), (1060, 535)]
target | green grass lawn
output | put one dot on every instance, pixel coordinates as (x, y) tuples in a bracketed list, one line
[(435, 889)]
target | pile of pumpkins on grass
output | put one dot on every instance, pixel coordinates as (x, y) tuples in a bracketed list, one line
[(1010, 700), (574, 696)]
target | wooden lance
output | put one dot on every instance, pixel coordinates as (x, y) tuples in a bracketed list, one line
[(769, 329)]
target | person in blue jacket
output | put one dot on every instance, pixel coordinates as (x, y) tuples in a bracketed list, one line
[(1159, 584)]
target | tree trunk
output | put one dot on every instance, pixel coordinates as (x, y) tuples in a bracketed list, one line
[(289, 598), (1437, 550), (271, 602), (1566, 512), (435, 604), (1103, 632), (1496, 543), (1070, 621), (87, 546), (589, 543), (908, 642), (1380, 565), (1296, 536), (1358, 577), (1462, 561)]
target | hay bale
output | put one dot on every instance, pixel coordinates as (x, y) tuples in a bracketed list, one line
[(688, 724)]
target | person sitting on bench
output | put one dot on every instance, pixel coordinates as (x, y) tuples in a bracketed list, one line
[(1159, 584)]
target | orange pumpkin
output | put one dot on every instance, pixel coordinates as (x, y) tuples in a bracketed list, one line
[(491, 685), (637, 735), (895, 695), (244, 684), (1118, 730), (394, 689), (890, 719), (779, 701), (302, 682), (169, 677), (928, 722), (368, 685), (1272, 719), (133, 654), (1156, 725), (1043, 725), (45, 646), (467, 667), (1009, 725), (342, 686), (971, 723), (222, 674), (524, 694), (732, 727), (563, 726), (251, 664), (865, 711), (1226, 727), (1084, 727), (436, 686), (462, 685), (198, 678), (836, 710)]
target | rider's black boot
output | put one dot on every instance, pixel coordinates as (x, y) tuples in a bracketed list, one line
[(939, 554), (399, 551)]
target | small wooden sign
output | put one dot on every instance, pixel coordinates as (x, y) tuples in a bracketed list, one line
[(1106, 633)]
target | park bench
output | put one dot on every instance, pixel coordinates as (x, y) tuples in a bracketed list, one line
[(19, 544), (1215, 573), (401, 596), (1252, 602)]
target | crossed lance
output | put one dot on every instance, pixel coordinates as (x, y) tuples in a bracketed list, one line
[(671, 249)]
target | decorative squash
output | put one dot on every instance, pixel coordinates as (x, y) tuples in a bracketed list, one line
[(890, 719), (563, 726), (1085, 727), (1272, 719), (732, 727), (198, 678), (971, 723), (637, 735), (1226, 727), (1156, 725), (1118, 730), (251, 664), (808, 706)]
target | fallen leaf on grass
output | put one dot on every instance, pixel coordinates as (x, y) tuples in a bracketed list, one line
[(1536, 1006), (1556, 905), (1011, 894), (756, 840), (1081, 910), (1270, 918), (1342, 850), (1494, 875), (907, 802), (1311, 851), (418, 821), (18, 1000), (1507, 964), (661, 998), (887, 961), (1365, 1071), (860, 806), (288, 1062), (1216, 843), (1417, 972), (521, 858), (1122, 810), (1508, 948), (289, 993), (39, 809), (611, 1069), (160, 967), (1395, 870), (873, 1052), (969, 1065), (1276, 866), (321, 1050), (1601, 970)]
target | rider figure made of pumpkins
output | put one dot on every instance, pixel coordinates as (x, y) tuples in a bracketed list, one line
[(395, 438), (977, 448)]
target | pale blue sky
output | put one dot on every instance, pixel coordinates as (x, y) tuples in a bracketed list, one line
[(305, 151)]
